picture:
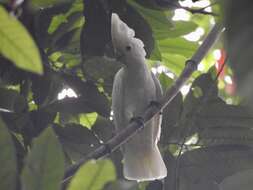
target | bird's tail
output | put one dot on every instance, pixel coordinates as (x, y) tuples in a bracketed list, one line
[(145, 166)]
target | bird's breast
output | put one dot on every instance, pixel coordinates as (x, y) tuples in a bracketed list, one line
[(138, 96)]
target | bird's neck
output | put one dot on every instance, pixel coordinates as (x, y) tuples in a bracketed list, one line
[(137, 71)]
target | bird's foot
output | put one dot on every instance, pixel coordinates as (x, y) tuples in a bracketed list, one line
[(108, 148), (156, 104), (192, 63), (139, 120)]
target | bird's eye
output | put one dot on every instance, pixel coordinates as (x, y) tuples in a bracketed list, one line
[(128, 48)]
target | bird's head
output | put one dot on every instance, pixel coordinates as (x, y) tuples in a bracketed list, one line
[(127, 48)]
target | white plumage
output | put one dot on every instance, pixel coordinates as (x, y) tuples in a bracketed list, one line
[(134, 88)]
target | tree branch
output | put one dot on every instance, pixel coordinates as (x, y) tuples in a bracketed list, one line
[(195, 10), (134, 127)]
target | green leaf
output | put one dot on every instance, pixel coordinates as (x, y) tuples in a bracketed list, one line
[(165, 81), (96, 68), (7, 159), (93, 175), (46, 3), (215, 163), (57, 20), (103, 128), (44, 166), (181, 28), (157, 20), (11, 101), (217, 114), (76, 140), (171, 115), (178, 46), (17, 44), (175, 63), (88, 119), (161, 25), (156, 54)]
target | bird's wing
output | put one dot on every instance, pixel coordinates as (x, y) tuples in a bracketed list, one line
[(158, 87), (157, 118), (118, 101)]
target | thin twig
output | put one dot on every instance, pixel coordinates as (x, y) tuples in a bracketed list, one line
[(199, 11), (134, 127), (195, 10)]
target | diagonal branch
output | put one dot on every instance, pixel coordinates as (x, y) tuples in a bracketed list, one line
[(135, 126)]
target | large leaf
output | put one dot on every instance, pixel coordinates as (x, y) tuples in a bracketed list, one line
[(77, 140), (97, 68), (220, 123), (44, 165), (171, 115), (11, 101), (214, 163), (46, 3), (219, 114), (8, 170), (240, 180), (43, 20), (70, 106), (95, 35), (90, 95), (59, 19), (178, 46), (157, 20), (17, 44), (9, 73), (93, 175), (203, 90), (161, 25), (46, 88), (174, 62), (225, 135), (103, 128)]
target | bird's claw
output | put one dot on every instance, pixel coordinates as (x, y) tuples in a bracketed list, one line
[(138, 120), (108, 148), (155, 104)]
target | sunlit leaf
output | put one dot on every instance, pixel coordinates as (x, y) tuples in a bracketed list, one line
[(157, 20), (44, 165), (17, 44), (175, 63), (57, 20), (178, 46), (93, 175), (88, 119)]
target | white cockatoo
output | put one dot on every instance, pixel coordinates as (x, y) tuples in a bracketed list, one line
[(134, 88)]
